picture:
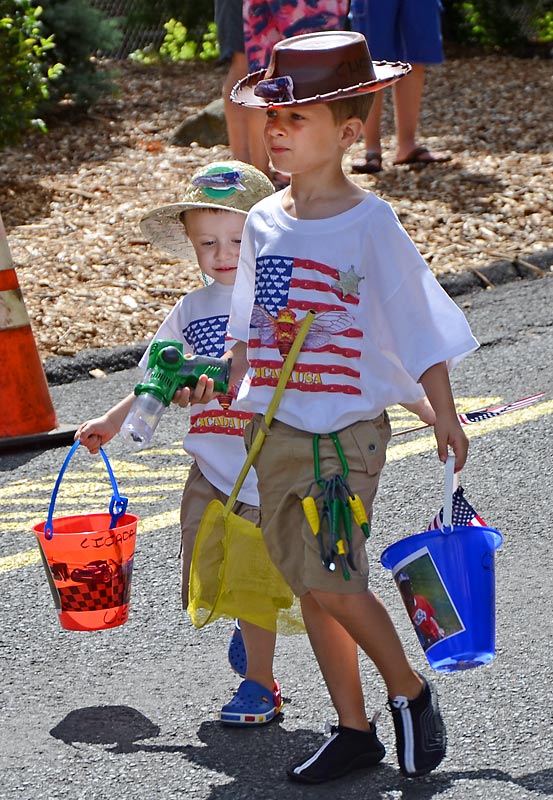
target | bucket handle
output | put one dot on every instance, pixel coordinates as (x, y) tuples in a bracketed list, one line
[(451, 482), (117, 505)]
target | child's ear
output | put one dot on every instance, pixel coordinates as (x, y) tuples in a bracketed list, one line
[(351, 130)]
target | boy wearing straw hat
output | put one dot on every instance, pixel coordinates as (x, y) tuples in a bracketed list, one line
[(384, 332), (207, 226)]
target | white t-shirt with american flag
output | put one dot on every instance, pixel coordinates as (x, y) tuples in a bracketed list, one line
[(216, 435), (381, 320)]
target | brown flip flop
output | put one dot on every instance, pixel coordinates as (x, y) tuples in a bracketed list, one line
[(368, 165), (422, 156)]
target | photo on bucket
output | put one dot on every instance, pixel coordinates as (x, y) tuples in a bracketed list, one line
[(430, 607)]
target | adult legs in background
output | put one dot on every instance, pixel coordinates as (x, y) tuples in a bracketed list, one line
[(404, 30), (237, 117), (230, 35), (407, 102), (256, 145), (267, 22)]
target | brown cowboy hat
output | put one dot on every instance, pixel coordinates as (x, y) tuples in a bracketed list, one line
[(317, 68)]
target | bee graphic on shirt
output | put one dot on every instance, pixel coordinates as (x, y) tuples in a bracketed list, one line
[(226, 400), (282, 329)]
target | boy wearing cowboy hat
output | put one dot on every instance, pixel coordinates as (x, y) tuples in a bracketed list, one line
[(207, 226), (384, 332)]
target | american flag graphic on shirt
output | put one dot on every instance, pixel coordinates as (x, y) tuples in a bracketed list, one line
[(207, 338), (285, 289), (463, 514)]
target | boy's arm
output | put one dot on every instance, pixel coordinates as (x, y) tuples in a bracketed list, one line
[(447, 428), (422, 409), (240, 363), (203, 391), (97, 432)]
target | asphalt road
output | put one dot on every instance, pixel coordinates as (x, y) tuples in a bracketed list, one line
[(131, 712)]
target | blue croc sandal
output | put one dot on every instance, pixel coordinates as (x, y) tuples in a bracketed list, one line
[(252, 704), (237, 657)]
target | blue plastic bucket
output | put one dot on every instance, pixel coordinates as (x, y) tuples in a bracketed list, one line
[(447, 581)]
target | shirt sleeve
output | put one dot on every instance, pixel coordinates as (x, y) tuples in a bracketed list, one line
[(429, 327), (170, 330), (422, 325)]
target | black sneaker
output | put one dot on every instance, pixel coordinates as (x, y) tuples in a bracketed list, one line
[(346, 750), (421, 737)]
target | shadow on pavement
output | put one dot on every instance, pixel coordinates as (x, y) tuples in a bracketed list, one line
[(229, 752), (11, 461), (120, 726)]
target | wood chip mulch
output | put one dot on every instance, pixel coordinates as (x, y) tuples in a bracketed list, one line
[(71, 200)]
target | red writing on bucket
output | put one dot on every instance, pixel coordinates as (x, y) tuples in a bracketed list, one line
[(112, 539), (117, 616)]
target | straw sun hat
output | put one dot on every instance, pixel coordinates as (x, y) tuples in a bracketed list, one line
[(227, 185), (317, 67)]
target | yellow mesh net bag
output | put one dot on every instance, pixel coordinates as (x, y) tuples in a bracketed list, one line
[(231, 574)]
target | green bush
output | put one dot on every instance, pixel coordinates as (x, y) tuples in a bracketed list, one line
[(79, 31), (193, 14), (179, 46), (543, 24), (24, 74), (210, 43), (510, 25)]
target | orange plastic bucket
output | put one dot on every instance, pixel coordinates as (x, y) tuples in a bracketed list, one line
[(88, 559)]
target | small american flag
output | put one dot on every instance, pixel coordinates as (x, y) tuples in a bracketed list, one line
[(495, 411), (462, 513), (469, 417)]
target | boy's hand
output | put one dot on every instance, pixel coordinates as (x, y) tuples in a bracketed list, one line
[(95, 433), (449, 433), (203, 393)]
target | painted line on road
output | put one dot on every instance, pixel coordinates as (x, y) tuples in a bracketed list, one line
[(426, 443), (161, 521), (157, 522)]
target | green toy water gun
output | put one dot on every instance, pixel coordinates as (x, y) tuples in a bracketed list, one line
[(168, 370)]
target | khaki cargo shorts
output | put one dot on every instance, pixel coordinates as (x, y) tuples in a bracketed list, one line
[(285, 474)]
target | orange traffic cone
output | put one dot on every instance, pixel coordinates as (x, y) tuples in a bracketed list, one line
[(27, 417)]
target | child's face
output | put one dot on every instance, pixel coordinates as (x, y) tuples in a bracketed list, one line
[(301, 139), (216, 237)]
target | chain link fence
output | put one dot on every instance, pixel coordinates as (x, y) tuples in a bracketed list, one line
[(138, 35), (135, 35), (524, 16)]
